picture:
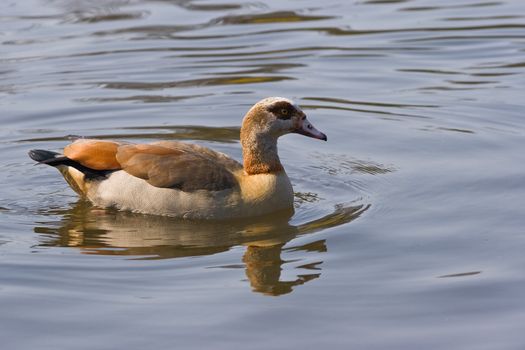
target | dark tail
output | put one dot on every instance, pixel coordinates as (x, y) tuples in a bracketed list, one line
[(56, 159), (46, 157)]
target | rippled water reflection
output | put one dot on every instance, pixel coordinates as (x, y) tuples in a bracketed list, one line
[(408, 225), (103, 232)]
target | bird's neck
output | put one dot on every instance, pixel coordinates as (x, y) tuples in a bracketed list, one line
[(260, 153)]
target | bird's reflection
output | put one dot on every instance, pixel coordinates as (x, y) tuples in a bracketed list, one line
[(106, 232)]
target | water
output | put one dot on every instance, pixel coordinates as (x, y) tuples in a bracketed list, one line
[(408, 231)]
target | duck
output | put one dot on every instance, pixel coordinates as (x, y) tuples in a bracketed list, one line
[(185, 180)]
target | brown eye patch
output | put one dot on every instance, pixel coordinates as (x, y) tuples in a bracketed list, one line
[(282, 110)]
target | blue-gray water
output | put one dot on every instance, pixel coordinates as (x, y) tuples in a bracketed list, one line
[(409, 225)]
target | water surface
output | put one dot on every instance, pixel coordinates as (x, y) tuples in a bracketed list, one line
[(408, 224)]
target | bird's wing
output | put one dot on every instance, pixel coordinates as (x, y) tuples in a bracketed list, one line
[(167, 164), (178, 165)]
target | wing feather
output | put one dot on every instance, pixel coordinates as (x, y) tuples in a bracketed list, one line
[(178, 165)]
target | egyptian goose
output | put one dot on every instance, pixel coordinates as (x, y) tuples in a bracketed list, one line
[(186, 180)]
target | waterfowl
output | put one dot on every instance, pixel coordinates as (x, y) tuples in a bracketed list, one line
[(185, 180)]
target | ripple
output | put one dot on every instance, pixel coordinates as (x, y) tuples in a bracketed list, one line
[(367, 110), (217, 7), (469, 38), (182, 132), (481, 18), (464, 131), (449, 72), (101, 16), (448, 88), (461, 274), (153, 31), (338, 31), (270, 17), (502, 65), (471, 82), (382, 2), (367, 103), (335, 164), (257, 69), (429, 71), (140, 98), (434, 8), (255, 59), (168, 31), (153, 49), (494, 74), (310, 49), (239, 80)]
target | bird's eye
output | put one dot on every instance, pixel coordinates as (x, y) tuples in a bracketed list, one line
[(284, 111)]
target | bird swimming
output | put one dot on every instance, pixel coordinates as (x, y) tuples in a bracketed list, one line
[(186, 180)]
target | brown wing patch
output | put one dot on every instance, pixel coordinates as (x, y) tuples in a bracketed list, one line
[(202, 151), (94, 154), (172, 167), (140, 160)]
